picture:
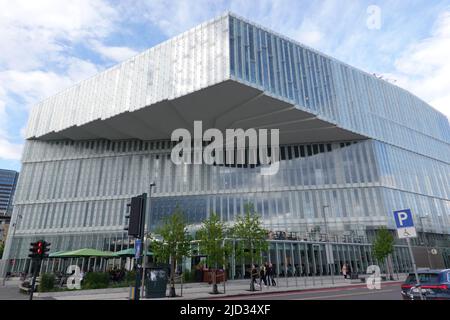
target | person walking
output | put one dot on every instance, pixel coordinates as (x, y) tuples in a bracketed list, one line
[(271, 274), (349, 271), (253, 275), (344, 270), (263, 275)]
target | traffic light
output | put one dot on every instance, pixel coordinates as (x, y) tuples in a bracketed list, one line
[(39, 249), (136, 214), (45, 248), (33, 250)]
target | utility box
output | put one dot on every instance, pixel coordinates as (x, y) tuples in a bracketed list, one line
[(155, 282)]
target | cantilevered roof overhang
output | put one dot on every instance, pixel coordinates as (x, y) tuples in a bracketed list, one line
[(227, 105)]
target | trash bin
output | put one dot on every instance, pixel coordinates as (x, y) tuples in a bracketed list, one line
[(155, 283), (354, 276)]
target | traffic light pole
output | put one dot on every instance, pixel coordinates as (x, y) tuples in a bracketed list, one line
[(146, 223), (38, 251), (36, 263), (137, 283)]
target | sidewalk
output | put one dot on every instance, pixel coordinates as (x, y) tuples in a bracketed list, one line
[(234, 288)]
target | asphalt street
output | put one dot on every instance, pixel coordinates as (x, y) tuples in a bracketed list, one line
[(387, 292), (11, 293)]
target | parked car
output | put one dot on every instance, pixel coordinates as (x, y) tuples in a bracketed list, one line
[(435, 285)]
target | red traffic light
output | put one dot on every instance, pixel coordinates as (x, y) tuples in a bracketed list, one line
[(38, 249)]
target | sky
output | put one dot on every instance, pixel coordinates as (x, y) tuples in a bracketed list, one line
[(49, 45)]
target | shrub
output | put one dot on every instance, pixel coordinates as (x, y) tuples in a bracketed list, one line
[(95, 280), (47, 282), (189, 276), (130, 277)]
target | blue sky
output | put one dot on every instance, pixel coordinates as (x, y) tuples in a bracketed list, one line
[(48, 45)]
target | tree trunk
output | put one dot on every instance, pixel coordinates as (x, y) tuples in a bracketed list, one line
[(172, 279), (391, 267), (214, 275)]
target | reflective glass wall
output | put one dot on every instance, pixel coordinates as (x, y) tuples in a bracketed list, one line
[(335, 91), (71, 187)]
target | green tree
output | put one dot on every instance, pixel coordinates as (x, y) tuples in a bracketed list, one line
[(2, 248), (175, 244), (383, 247), (212, 243), (251, 236)]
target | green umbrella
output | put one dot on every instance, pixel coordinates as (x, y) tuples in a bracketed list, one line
[(55, 254), (131, 252), (86, 252)]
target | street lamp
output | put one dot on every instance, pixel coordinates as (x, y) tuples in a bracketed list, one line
[(325, 220), (19, 216), (424, 238), (146, 228)]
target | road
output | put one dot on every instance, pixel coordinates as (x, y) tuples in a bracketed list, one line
[(11, 293), (387, 292)]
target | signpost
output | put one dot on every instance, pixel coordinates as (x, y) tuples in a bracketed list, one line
[(407, 230)]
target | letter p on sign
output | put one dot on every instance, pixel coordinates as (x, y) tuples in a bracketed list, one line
[(403, 218)]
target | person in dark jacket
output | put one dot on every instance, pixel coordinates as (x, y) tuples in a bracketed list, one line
[(254, 273), (263, 275), (270, 275)]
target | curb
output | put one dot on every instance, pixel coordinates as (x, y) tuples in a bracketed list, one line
[(295, 291)]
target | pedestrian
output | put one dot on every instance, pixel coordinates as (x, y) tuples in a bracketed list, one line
[(344, 270), (263, 275), (271, 273), (349, 270), (253, 275)]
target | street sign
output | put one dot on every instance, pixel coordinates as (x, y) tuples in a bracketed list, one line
[(405, 224), (138, 246), (406, 230)]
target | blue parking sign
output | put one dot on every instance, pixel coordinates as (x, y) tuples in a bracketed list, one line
[(403, 218)]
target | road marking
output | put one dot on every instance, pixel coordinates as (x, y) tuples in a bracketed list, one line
[(346, 295)]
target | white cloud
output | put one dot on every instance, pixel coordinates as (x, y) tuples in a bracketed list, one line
[(116, 54), (8, 150), (32, 33), (424, 68), (174, 17), (36, 85), (37, 57)]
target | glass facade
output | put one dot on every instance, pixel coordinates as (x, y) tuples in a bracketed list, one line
[(336, 92), (74, 193), (8, 181)]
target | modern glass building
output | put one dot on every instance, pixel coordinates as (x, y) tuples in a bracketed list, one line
[(8, 181), (354, 148)]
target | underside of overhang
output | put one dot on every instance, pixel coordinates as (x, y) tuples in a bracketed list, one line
[(228, 105)]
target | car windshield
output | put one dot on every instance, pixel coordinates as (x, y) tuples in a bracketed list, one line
[(425, 278)]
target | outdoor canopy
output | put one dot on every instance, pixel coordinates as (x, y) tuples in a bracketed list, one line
[(86, 252), (55, 254), (131, 252)]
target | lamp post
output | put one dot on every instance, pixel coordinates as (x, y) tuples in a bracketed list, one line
[(145, 236), (328, 247), (325, 220), (424, 239)]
